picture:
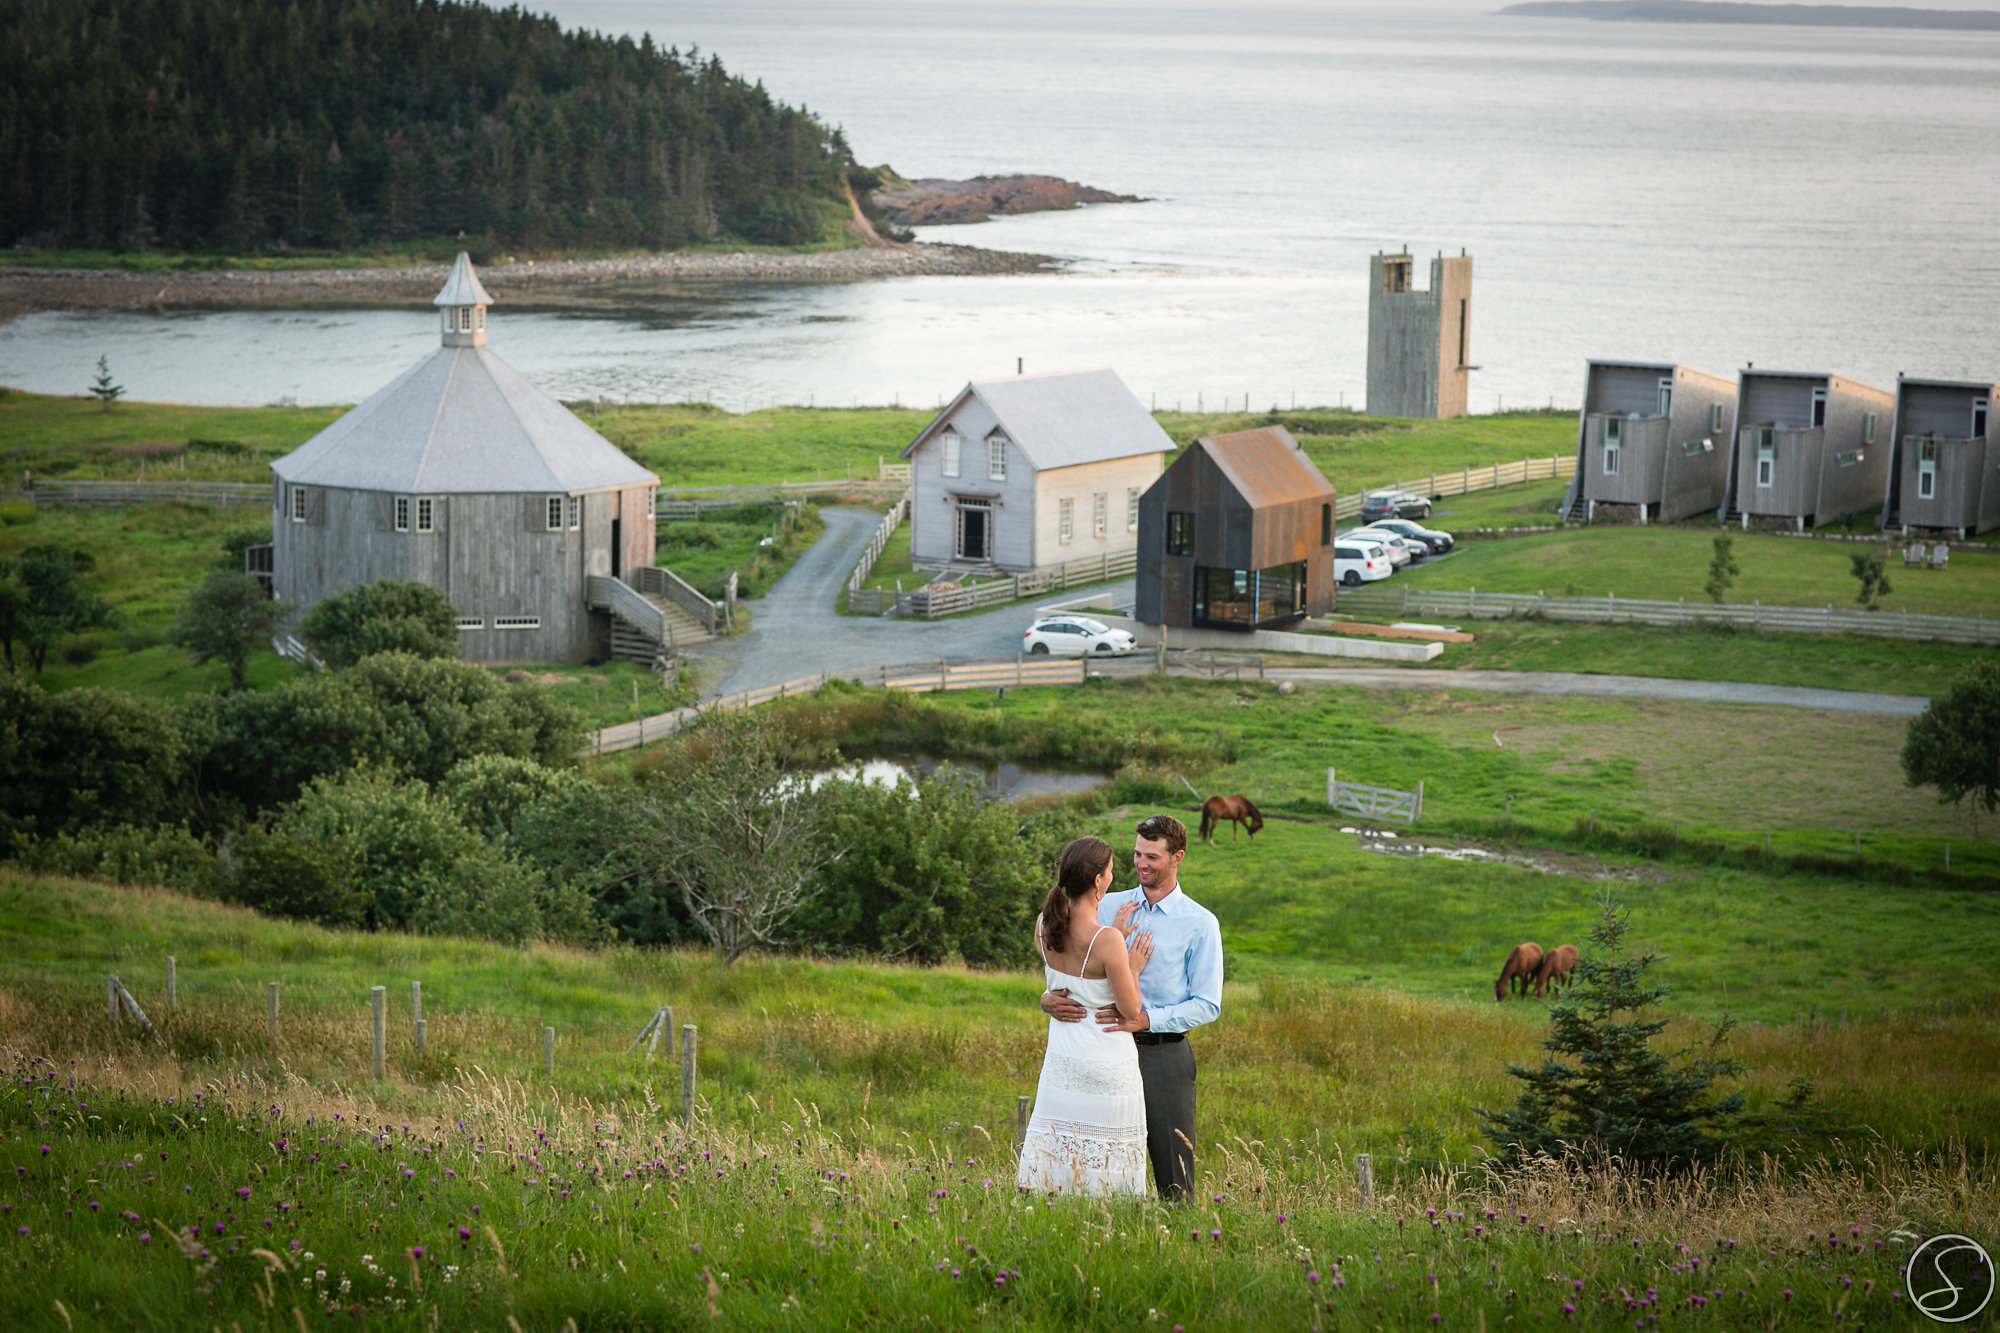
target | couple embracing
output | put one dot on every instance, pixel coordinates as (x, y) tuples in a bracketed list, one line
[(1129, 974)]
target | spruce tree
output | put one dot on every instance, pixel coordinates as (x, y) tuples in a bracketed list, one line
[(1604, 1088), (102, 388)]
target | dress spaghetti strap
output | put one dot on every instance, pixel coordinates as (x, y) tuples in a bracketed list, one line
[(1087, 948)]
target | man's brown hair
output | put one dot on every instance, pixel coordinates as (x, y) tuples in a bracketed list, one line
[(1164, 828)]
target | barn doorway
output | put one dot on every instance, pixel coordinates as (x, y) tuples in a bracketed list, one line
[(617, 548), (975, 530)]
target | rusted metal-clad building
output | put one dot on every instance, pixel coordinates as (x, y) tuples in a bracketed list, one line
[(1417, 340), (1236, 534), (463, 475), (1652, 442), (1806, 448), (1944, 472)]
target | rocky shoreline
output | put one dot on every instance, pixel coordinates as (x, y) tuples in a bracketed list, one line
[(931, 201), (526, 282)]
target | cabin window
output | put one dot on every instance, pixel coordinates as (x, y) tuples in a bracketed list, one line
[(298, 504), (575, 512), (1767, 456), (1850, 458), (555, 512), (1396, 274), (996, 458), (1715, 416), (1132, 509), (466, 623), (402, 513), (1180, 534), (948, 446), (1819, 407), (1612, 435), (1868, 429), (1927, 470), (517, 622), (1065, 520), (1666, 398), (1099, 514), (1981, 408), (1326, 525), (426, 515)]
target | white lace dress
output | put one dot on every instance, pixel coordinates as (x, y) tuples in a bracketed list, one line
[(1088, 1132)]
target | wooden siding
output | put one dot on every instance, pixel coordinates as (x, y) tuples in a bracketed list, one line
[(1228, 534), (1966, 496), (1414, 341), (1809, 483), (933, 496), (1692, 482), (1081, 485), (1641, 458)]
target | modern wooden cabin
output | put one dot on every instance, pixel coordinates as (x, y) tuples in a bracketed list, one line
[(1806, 448), (1236, 534), (1944, 470), (1651, 443)]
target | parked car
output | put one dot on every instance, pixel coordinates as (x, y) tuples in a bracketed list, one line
[(1393, 504), (1359, 562), (1402, 550), (1076, 636), (1437, 542)]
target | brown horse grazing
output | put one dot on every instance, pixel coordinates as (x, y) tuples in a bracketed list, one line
[(1519, 973), (1235, 809), (1555, 969)]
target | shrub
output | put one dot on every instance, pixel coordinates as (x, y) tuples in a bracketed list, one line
[(87, 758), (490, 791), (390, 615), (602, 843), (166, 855)]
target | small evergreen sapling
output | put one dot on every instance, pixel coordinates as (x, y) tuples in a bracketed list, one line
[(1604, 1088), (102, 389), (1722, 569), (1871, 572)]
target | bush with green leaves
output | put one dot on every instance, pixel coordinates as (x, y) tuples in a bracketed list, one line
[(604, 842), (387, 616), (491, 791), (1604, 1088), (43, 602), (226, 617), (88, 758), (1954, 744), (166, 854)]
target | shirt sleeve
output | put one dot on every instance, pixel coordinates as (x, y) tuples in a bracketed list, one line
[(1204, 1002)]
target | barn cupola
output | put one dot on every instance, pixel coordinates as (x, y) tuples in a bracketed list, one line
[(462, 306)]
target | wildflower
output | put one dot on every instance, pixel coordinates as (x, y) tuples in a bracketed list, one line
[(243, 1193), (1312, 1277), (1568, 1309)]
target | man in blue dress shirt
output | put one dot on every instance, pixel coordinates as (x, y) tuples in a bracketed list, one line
[(1181, 987)]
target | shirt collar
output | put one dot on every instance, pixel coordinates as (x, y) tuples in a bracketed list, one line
[(1165, 904)]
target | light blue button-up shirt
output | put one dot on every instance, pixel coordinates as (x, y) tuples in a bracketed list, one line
[(1182, 983)]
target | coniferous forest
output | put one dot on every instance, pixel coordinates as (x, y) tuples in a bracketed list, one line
[(253, 125)]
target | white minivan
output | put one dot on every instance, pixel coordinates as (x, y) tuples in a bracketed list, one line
[(1356, 562)]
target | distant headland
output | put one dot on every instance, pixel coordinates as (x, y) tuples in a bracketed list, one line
[(933, 202), (1720, 11)]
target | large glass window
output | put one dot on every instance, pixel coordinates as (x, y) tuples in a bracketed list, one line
[(1180, 534), (1247, 598)]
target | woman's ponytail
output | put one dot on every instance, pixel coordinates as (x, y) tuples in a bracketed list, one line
[(1076, 874)]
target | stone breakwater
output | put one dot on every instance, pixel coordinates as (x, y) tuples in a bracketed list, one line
[(24, 290)]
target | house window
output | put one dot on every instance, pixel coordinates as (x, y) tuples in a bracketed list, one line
[(426, 515), (1981, 407), (298, 504), (1180, 534), (1927, 453), (1666, 398), (1065, 520), (555, 513), (1767, 455), (1868, 429), (1612, 435), (996, 458), (575, 512), (1819, 407), (1326, 525), (1715, 416), (948, 446), (402, 513), (465, 319), (466, 623), (517, 622), (479, 318), (1099, 505), (1132, 509)]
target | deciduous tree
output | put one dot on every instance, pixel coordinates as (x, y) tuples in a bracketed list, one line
[(226, 617), (388, 616), (1954, 745)]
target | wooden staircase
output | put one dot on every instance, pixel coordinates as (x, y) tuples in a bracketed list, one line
[(645, 626)]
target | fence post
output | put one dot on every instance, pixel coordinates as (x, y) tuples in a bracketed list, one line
[(111, 1001), (173, 989), (423, 1035), (663, 1022), (1364, 1173), (378, 1007), (1420, 802), (687, 1072), (1021, 1105), (271, 1008), (1329, 789)]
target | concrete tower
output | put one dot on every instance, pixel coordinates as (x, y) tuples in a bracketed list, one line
[(1418, 341)]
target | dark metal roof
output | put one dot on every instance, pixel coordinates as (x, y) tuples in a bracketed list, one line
[(1266, 466)]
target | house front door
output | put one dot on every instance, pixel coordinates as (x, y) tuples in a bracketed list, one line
[(975, 530)]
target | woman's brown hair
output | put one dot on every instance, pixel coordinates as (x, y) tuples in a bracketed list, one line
[(1076, 874)]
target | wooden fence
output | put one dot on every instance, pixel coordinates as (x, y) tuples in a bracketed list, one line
[(940, 675), (871, 602), (930, 603), (1374, 802), (689, 501), (1465, 481), (95, 493), (1471, 603)]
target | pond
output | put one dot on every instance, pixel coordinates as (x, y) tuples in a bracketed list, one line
[(996, 782)]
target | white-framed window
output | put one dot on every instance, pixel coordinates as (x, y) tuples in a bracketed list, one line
[(1715, 417), (1927, 452), (1100, 505), (1767, 456), (1065, 520), (1982, 409), (402, 513), (466, 623), (1612, 435), (479, 318), (517, 622), (949, 445), (996, 458), (1666, 398), (465, 319), (298, 504), (426, 514), (1819, 406), (575, 512), (1868, 429), (555, 513), (1131, 509)]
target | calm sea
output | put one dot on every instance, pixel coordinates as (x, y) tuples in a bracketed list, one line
[(1804, 198)]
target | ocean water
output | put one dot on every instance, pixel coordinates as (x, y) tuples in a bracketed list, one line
[(1801, 198)]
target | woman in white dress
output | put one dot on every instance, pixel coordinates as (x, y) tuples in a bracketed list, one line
[(1088, 1131)]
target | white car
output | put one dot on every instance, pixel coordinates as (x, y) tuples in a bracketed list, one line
[(1401, 550), (1076, 636), (1360, 561)]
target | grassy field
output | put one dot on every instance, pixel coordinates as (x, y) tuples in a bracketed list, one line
[(1530, 505), (1658, 563), (146, 557), (61, 438)]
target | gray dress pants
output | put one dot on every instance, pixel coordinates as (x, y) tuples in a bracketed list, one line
[(1167, 1070)]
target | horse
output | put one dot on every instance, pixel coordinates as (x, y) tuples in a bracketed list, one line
[(1235, 809), (1555, 969), (1519, 973)]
